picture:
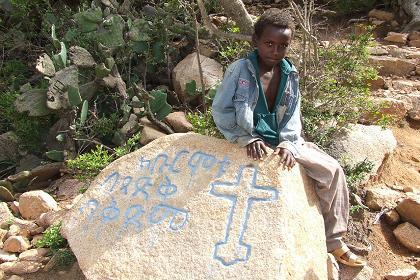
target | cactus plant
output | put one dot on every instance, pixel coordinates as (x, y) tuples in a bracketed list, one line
[(89, 20), (55, 155), (158, 105), (83, 113), (74, 95)]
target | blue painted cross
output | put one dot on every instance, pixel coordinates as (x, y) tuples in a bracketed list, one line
[(242, 193)]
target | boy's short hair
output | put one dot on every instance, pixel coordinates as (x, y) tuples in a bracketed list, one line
[(276, 17)]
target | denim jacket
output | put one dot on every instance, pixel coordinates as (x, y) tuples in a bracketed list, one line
[(235, 101)]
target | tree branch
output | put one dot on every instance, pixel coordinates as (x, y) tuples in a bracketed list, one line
[(214, 30)]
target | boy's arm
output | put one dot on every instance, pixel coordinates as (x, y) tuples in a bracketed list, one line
[(290, 134), (223, 108)]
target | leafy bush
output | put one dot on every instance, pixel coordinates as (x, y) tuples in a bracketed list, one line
[(91, 162), (336, 93), (128, 147), (230, 50), (52, 238), (355, 174), (204, 124)]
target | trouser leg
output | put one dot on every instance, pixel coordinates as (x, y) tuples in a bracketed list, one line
[(331, 188)]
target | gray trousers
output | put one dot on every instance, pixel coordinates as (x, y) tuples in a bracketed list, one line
[(331, 188)]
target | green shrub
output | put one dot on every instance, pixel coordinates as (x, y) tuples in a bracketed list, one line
[(204, 124), (230, 50), (52, 238), (336, 93), (91, 162), (355, 174), (129, 146)]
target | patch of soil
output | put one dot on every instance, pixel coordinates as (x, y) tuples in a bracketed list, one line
[(71, 273), (403, 166)]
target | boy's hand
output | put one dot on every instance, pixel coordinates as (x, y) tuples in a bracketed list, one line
[(256, 149), (286, 158)]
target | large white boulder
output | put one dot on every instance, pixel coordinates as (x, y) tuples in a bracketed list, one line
[(188, 206), (361, 142)]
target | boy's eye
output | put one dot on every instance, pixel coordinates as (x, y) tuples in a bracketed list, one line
[(269, 44)]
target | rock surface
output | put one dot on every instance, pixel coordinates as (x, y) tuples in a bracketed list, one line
[(409, 209), (179, 122), (351, 273), (32, 204), (8, 146), (382, 15), (7, 256), (187, 70), (16, 244), (401, 274), (193, 207), (380, 196), (36, 255), (5, 214), (409, 236), (20, 267), (362, 142), (396, 37), (149, 133), (392, 218), (393, 65)]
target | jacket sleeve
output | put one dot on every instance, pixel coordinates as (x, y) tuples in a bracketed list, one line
[(290, 137), (224, 111)]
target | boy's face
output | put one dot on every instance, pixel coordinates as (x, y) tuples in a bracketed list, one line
[(272, 44)]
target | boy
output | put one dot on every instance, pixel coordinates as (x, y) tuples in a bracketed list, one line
[(258, 106)]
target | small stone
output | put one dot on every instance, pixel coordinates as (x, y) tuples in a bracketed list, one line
[(33, 203), (414, 43), (397, 188), (382, 15), (26, 225), (16, 277), (5, 214), (14, 206), (408, 189), (417, 265), (20, 267), (395, 23), (68, 188), (148, 134), (37, 231), (409, 209), (414, 35), (396, 37), (16, 244), (379, 83), (36, 238), (179, 122), (392, 217), (36, 255), (409, 236), (3, 234), (13, 231), (81, 57), (50, 218), (7, 257), (401, 274), (405, 85), (378, 50), (380, 196), (333, 268)]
